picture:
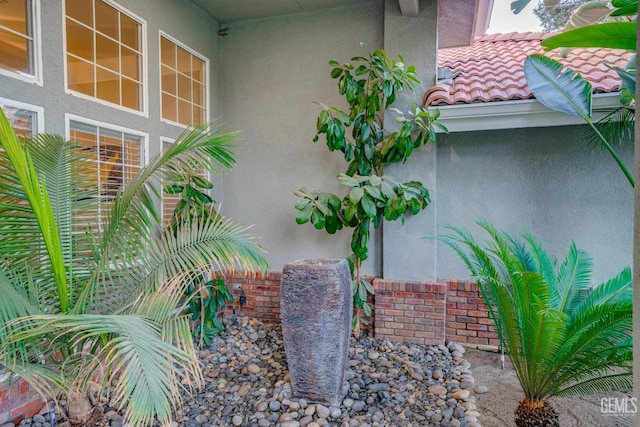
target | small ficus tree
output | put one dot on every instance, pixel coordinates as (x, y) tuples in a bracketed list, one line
[(370, 85), (206, 297)]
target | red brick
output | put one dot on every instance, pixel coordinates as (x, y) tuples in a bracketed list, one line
[(478, 313), (405, 294), (434, 315), (477, 327), (403, 332), (466, 319), (429, 322), (383, 318), (414, 313), (405, 320), (27, 409), (425, 334), (457, 312), (393, 325), (414, 340), (467, 332), (485, 320), (475, 340), (393, 312)]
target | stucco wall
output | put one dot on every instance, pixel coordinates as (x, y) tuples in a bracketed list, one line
[(546, 181), (180, 19), (272, 71)]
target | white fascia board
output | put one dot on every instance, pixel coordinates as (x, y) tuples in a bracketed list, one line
[(525, 113)]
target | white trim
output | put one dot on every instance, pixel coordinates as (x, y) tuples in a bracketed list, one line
[(37, 50), (144, 74), (207, 89), (29, 107), (516, 114), (68, 117), (163, 140)]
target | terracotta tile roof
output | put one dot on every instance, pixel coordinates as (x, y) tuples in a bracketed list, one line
[(492, 69)]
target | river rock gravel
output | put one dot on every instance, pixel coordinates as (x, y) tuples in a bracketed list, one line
[(387, 384)]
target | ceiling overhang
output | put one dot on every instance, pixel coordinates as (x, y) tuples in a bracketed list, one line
[(459, 21)]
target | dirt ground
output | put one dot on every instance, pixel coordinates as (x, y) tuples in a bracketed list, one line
[(496, 407)]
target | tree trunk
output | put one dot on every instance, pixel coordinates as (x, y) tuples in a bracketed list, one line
[(536, 413)]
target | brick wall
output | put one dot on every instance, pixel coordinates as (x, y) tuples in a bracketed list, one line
[(468, 319), (410, 311), (18, 401), (262, 295), (416, 312)]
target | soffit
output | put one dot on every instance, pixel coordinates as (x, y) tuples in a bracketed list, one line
[(459, 21)]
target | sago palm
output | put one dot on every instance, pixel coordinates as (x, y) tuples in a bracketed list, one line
[(92, 285), (563, 336)]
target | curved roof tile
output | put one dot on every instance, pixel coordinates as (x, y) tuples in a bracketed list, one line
[(491, 69)]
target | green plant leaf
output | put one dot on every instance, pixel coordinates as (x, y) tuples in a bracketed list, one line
[(567, 92), (616, 35), (587, 14), (628, 78), (174, 189), (625, 8), (368, 206), (201, 182), (355, 195)]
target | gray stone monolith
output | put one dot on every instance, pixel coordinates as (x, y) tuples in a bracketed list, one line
[(316, 309)]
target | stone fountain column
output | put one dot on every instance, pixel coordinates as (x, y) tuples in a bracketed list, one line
[(316, 307)]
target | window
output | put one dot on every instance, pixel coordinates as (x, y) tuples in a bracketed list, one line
[(183, 85), (18, 29), (169, 201), (104, 53), (26, 119), (118, 154)]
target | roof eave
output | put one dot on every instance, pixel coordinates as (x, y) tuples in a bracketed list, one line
[(515, 114)]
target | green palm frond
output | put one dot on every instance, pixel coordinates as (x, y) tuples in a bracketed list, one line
[(573, 279), (617, 128), (63, 276), (133, 219), (615, 382), (561, 335), (133, 350), (40, 204)]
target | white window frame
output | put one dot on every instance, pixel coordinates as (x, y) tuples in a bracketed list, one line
[(109, 126), (37, 50), (29, 107), (207, 88), (163, 140), (144, 73)]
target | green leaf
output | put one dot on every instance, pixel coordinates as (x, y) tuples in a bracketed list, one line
[(173, 189), (628, 79), (625, 8), (362, 293), (305, 215), (616, 35), (368, 206), (355, 195), (367, 309), (567, 92), (333, 63), (201, 182), (587, 14), (336, 72)]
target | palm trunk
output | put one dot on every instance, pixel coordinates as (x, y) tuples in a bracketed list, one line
[(536, 413)]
